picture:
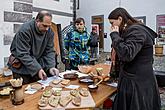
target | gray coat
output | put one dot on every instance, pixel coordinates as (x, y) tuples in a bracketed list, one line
[(34, 49), (94, 39)]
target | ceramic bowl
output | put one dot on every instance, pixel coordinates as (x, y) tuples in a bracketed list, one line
[(92, 88)]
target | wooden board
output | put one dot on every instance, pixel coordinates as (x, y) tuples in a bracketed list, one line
[(86, 102), (56, 38)]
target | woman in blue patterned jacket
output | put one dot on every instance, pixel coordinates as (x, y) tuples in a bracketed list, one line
[(77, 46)]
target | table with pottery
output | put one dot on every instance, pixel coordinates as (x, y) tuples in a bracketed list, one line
[(61, 92)]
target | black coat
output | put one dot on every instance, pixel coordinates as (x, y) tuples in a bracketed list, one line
[(94, 40), (137, 87)]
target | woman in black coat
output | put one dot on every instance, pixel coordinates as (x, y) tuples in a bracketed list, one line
[(133, 43)]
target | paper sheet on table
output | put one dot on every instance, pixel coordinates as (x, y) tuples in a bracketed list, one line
[(56, 88), (30, 91), (48, 80), (71, 72), (72, 87)]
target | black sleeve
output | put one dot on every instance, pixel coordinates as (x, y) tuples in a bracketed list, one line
[(128, 47)]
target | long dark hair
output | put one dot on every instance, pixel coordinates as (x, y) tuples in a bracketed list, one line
[(126, 17)]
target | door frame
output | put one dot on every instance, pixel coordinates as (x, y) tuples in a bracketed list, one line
[(99, 20)]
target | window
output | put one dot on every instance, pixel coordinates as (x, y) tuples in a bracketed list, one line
[(141, 19)]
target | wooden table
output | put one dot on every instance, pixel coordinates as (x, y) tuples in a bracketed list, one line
[(31, 101), (4, 79), (99, 96)]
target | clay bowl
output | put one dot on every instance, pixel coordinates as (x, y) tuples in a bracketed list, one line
[(92, 88), (86, 79)]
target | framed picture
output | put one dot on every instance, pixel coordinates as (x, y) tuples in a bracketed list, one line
[(160, 25), (96, 26), (141, 19)]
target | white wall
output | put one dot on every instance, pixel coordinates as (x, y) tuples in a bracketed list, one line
[(6, 5), (62, 6), (148, 8)]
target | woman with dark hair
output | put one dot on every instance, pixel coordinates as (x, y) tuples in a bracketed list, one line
[(77, 46), (133, 45)]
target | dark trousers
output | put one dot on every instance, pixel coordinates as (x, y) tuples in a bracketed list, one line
[(71, 65), (94, 52)]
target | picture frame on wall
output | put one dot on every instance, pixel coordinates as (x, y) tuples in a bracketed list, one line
[(141, 19), (160, 25), (96, 26)]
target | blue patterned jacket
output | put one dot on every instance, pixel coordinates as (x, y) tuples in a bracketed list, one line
[(77, 46)]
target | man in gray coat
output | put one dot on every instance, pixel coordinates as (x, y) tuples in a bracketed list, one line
[(94, 43), (33, 49)]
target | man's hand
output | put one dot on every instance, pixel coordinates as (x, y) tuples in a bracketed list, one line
[(54, 71), (42, 75)]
